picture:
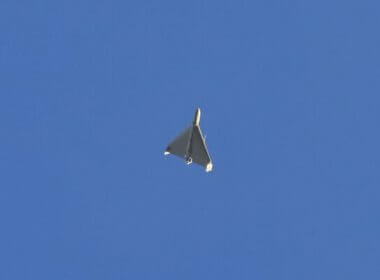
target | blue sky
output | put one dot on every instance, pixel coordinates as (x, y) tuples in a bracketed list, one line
[(91, 92)]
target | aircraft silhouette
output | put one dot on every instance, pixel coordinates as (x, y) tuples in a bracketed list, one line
[(190, 145)]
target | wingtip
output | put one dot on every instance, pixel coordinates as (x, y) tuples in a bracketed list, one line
[(209, 167)]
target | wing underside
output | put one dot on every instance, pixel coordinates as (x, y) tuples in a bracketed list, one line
[(197, 148), (179, 145), (199, 152)]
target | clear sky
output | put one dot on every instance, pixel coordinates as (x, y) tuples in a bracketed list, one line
[(91, 92)]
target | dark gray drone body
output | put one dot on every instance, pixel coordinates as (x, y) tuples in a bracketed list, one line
[(191, 146)]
